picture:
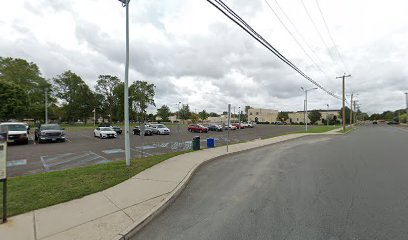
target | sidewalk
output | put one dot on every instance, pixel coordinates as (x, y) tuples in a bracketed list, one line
[(114, 212)]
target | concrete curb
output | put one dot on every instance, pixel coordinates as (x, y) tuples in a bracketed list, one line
[(138, 225)]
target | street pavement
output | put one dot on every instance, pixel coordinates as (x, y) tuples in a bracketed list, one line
[(82, 148), (352, 186)]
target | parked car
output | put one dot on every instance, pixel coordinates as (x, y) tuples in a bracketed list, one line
[(117, 129), (375, 122), (239, 125), (214, 127), (160, 129), (16, 132), (197, 128), (147, 132), (49, 133), (250, 124), (393, 123), (104, 132), (231, 127)]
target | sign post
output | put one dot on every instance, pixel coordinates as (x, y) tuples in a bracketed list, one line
[(3, 173)]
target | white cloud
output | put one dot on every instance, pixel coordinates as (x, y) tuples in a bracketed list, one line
[(196, 55)]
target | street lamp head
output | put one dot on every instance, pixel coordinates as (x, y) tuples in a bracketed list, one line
[(302, 88), (124, 2)]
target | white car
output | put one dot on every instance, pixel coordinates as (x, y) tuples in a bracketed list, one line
[(160, 129), (230, 127), (17, 132), (105, 132)]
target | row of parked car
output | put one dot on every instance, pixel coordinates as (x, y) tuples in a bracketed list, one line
[(17, 132), (108, 131), (216, 127)]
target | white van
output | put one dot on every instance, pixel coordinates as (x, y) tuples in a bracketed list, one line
[(17, 132)]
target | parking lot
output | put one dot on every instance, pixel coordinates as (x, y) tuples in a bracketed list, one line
[(82, 148)]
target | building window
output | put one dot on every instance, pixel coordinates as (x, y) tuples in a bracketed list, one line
[(297, 119), (257, 113), (250, 113)]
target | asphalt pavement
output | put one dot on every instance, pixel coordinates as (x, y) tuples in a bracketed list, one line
[(82, 148), (352, 186)]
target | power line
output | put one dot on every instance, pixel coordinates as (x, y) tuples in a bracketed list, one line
[(246, 27), (294, 38), (317, 30), (331, 37)]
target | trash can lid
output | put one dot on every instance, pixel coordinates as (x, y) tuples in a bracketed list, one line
[(196, 137)]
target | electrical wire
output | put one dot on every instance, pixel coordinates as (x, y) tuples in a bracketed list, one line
[(246, 27), (296, 40), (331, 36)]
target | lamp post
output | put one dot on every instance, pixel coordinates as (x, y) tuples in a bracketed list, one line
[(305, 110), (406, 100), (327, 115), (178, 118), (239, 117), (125, 3)]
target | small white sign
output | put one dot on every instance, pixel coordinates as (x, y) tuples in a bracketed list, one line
[(3, 161)]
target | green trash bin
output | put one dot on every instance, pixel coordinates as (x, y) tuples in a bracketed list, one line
[(196, 143)]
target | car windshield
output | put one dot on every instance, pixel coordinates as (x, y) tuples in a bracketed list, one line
[(161, 126), (105, 129), (50, 127), (201, 126), (16, 127)]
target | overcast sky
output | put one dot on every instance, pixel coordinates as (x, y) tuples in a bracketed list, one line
[(196, 55)]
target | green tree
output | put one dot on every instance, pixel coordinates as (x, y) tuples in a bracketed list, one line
[(78, 99), (119, 93), (105, 87), (282, 116), (213, 114), (203, 115), (185, 112), (314, 116), (28, 77), (141, 93), (164, 113), (194, 117), (347, 114), (14, 101)]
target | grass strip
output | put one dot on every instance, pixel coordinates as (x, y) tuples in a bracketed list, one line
[(27, 193), (318, 129)]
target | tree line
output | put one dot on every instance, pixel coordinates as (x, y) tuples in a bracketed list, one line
[(23, 91)]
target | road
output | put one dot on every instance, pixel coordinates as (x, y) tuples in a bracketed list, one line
[(351, 186), (82, 148)]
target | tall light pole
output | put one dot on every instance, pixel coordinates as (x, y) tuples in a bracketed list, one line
[(239, 117), (305, 112), (178, 118), (406, 100), (327, 115), (344, 100), (46, 105), (125, 3)]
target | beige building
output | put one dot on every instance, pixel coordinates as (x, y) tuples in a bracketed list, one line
[(262, 115), (298, 117), (270, 115)]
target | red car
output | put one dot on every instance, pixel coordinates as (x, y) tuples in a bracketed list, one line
[(197, 128), (239, 125)]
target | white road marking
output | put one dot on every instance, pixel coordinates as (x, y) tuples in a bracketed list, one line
[(110, 151), (68, 140), (15, 163)]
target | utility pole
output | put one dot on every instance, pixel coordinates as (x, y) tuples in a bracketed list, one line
[(355, 117), (46, 105), (228, 124), (351, 110), (178, 118), (344, 100)]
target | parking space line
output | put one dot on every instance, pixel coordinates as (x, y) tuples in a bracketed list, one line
[(15, 163), (144, 152), (68, 140)]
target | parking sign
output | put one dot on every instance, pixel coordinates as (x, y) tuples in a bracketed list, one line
[(3, 155)]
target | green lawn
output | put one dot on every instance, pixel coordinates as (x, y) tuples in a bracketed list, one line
[(347, 130), (32, 192), (319, 129)]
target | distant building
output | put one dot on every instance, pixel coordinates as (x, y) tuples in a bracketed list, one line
[(262, 115), (271, 115)]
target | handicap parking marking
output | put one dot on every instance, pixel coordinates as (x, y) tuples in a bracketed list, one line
[(146, 147), (70, 160), (111, 151), (15, 163)]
